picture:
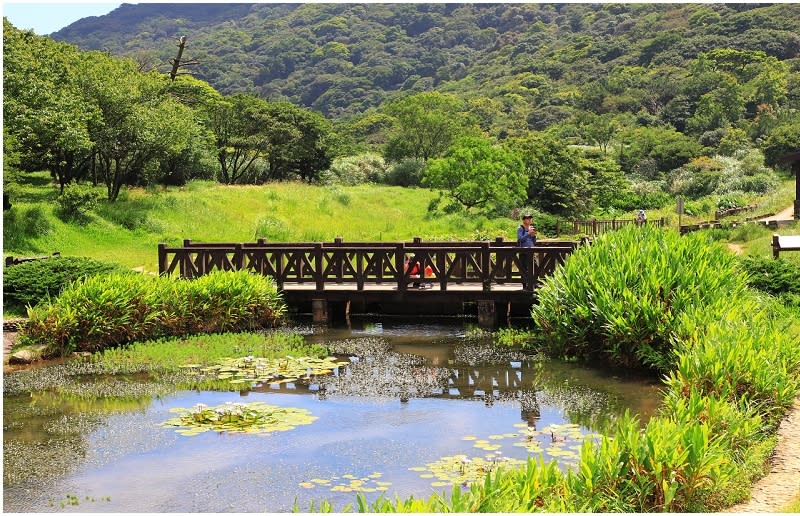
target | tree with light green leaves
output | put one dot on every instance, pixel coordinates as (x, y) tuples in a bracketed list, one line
[(426, 124), (479, 175), (44, 107)]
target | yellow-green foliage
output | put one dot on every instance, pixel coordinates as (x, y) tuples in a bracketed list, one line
[(109, 310), (171, 354), (621, 298)]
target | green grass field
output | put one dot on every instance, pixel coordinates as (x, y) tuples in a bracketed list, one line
[(129, 230)]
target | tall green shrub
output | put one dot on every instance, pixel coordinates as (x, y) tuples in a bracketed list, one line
[(110, 310), (31, 282), (620, 299)]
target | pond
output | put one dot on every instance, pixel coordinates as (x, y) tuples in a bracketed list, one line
[(417, 408)]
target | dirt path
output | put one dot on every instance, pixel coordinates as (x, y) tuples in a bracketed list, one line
[(736, 248), (776, 490), (786, 214)]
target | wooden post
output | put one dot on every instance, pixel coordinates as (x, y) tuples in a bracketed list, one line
[(594, 227), (486, 265), (776, 246), (399, 264), (318, 268), (162, 259), (796, 167), (238, 257)]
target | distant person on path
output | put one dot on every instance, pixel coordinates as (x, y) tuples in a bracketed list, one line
[(526, 232), (641, 218)]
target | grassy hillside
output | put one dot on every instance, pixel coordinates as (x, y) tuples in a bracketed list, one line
[(129, 230)]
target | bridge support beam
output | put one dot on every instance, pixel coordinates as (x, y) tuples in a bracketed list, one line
[(487, 314), (319, 311)]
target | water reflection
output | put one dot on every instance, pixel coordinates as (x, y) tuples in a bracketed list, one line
[(411, 395)]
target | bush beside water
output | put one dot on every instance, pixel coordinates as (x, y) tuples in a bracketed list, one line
[(645, 297), (621, 299), (31, 282), (109, 310)]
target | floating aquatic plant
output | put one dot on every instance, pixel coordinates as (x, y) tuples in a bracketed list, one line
[(367, 484), (460, 469), (254, 417), (249, 369)]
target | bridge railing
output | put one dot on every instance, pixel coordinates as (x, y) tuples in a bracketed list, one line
[(363, 264), (598, 227)]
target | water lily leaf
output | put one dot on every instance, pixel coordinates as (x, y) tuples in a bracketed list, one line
[(416, 468), (307, 485), (440, 484), (383, 484), (469, 438), (320, 481), (495, 437), (381, 488), (426, 475)]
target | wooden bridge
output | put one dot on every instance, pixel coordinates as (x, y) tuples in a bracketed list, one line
[(363, 277)]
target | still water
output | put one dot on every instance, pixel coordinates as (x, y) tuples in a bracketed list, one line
[(412, 394)]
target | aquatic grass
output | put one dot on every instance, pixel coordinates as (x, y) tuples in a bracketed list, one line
[(173, 354), (513, 336), (110, 310)]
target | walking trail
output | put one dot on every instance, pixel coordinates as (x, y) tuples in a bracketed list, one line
[(785, 214)]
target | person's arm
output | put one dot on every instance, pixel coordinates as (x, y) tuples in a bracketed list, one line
[(521, 234)]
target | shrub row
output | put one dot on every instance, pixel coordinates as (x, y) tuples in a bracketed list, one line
[(109, 310), (734, 369), (29, 283)]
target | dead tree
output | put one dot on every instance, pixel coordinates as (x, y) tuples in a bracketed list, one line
[(177, 62)]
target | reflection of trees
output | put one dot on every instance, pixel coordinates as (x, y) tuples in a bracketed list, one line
[(478, 371)]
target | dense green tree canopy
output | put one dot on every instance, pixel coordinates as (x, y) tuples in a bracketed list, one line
[(479, 174)]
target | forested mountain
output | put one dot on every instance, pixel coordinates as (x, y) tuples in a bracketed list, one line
[(570, 109), (535, 62)]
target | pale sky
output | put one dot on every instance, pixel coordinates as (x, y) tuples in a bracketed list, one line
[(48, 17)]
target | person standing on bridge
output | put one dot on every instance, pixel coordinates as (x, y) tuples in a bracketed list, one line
[(526, 232), (526, 237)]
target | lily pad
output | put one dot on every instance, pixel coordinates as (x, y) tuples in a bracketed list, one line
[(255, 417)]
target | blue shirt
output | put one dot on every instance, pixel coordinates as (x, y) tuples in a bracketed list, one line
[(523, 238)]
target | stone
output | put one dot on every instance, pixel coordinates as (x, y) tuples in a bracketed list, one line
[(23, 356)]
